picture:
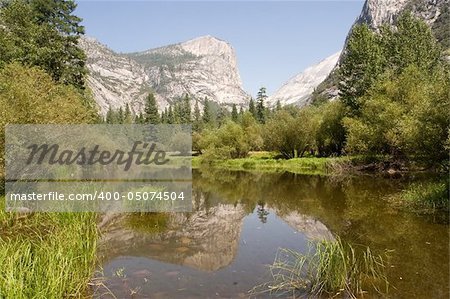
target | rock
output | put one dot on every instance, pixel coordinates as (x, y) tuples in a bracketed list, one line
[(202, 67), (298, 90)]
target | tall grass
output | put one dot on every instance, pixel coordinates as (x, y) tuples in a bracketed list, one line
[(46, 255), (331, 268), (427, 197)]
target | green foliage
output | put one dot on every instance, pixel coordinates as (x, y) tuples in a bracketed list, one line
[(127, 117), (252, 108), (197, 121), (330, 137), (234, 113), (46, 255), (292, 135), (29, 95), (427, 197), (362, 63), (151, 113), (260, 107), (404, 116), (369, 55), (411, 42), (207, 116), (43, 33), (230, 140)]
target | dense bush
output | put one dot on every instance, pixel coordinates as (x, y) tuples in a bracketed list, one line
[(29, 95), (404, 116)]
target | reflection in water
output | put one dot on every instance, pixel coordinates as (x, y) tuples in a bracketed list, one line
[(239, 221)]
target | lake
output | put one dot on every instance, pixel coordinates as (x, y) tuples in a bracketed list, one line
[(222, 249)]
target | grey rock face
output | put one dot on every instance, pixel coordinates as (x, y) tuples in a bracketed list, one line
[(298, 90), (378, 12), (202, 67)]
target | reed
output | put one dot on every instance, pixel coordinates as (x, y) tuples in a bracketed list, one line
[(46, 255), (329, 268)]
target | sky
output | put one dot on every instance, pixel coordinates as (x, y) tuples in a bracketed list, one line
[(273, 40)]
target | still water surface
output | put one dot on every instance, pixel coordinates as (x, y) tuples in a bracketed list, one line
[(241, 219)]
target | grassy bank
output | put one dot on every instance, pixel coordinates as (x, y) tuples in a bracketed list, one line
[(268, 162), (46, 255)]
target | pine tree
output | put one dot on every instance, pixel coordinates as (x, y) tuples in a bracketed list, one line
[(109, 119), (234, 113), (44, 33), (151, 113), (221, 115), (207, 116), (196, 125), (120, 116), (260, 108), (186, 110), (128, 117), (170, 117), (252, 108), (178, 113)]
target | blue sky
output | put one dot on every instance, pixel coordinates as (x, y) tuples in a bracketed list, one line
[(273, 40)]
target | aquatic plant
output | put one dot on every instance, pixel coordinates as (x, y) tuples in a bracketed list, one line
[(427, 197), (331, 268)]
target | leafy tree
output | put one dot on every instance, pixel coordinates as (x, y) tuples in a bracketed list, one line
[(280, 134), (369, 55), (406, 116), (363, 62), (330, 137), (228, 141), (29, 95), (43, 33), (151, 113), (253, 131), (292, 135), (411, 42)]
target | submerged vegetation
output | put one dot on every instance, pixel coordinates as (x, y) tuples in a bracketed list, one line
[(333, 268), (46, 255)]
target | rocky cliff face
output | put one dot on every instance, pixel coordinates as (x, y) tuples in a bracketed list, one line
[(298, 89), (202, 67), (378, 12)]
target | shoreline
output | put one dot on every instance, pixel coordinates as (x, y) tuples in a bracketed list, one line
[(344, 165)]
